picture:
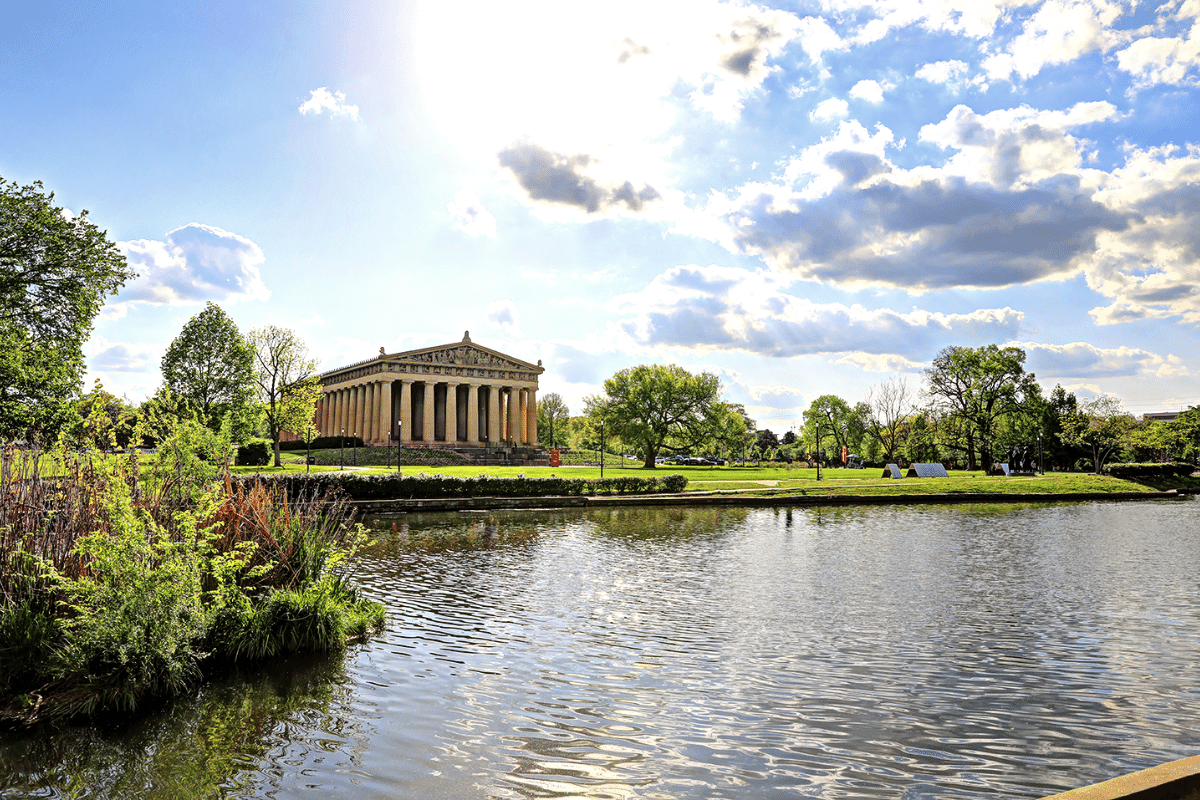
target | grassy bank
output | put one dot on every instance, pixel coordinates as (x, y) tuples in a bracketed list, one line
[(121, 583)]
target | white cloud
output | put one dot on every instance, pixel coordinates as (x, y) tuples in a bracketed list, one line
[(725, 308), (830, 109), (322, 100), (1172, 60), (194, 264), (871, 91), (470, 216), (1083, 360), (1059, 32), (942, 71)]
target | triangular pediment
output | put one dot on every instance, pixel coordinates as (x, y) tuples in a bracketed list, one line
[(462, 354)]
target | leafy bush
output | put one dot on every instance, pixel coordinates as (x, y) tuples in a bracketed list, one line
[(255, 453), (1149, 470), (388, 487)]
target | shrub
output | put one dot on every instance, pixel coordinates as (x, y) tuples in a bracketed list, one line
[(255, 453), (1149, 470), (421, 486)]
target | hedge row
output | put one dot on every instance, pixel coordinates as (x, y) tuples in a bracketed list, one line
[(423, 487), (1149, 470), (324, 442)]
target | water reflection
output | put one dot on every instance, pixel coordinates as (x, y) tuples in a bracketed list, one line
[(709, 653)]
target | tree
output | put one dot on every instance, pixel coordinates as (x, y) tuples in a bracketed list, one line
[(888, 408), (211, 366), (552, 413), (287, 389), (837, 419), (1100, 424), (977, 386), (651, 404), (56, 270)]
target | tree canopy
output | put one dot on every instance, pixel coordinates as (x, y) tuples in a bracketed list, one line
[(975, 387), (56, 270), (650, 405), (211, 366), (287, 389)]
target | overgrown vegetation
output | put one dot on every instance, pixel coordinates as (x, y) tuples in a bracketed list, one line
[(119, 585)]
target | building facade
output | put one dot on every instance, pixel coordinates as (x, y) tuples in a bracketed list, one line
[(451, 395)]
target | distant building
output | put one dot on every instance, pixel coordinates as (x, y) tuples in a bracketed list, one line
[(452, 395)]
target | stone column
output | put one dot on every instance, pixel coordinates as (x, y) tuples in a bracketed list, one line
[(369, 413), (531, 431), (406, 433), (493, 431), (514, 415), (358, 410), (472, 414), (451, 412), (429, 412), (383, 424)]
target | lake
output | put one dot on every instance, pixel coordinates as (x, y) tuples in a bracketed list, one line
[(881, 652)]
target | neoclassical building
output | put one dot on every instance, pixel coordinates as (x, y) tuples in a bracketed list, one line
[(451, 395)]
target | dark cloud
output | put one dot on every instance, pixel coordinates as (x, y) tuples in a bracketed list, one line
[(557, 178), (960, 234)]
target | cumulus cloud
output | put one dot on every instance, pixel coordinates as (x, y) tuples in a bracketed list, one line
[(829, 109), (194, 264), (1014, 202), (470, 216), (1083, 360), (561, 179), (1059, 32), (871, 91), (322, 100), (725, 308)]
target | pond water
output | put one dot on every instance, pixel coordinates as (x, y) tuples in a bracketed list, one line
[(901, 652)]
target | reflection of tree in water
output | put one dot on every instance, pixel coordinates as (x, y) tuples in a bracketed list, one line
[(208, 746), (640, 523)]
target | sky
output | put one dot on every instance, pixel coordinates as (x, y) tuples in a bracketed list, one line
[(804, 199)]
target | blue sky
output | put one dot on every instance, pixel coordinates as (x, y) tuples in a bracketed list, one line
[(803, 198)]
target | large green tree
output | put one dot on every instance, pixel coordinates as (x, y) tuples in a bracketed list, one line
[(211, 366), (976, 386), (651, 406), (287, 388), (56, 270)]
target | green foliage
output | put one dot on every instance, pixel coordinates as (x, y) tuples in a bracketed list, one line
[(1149, 470), (56, 269), (652, 405), (975, 387), (286, 388), (388, 487), (255, 453), (210, 365)]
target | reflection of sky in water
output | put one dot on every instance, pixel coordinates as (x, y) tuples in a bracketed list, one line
[(882, 652)]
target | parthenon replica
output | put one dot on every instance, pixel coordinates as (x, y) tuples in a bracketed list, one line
[(458, 395)]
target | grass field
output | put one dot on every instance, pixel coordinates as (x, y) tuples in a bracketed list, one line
[(774, 480)]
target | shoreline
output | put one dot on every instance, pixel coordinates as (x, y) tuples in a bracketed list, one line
[(747, 501)]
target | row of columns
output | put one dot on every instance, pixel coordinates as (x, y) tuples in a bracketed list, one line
[(368, 410)]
